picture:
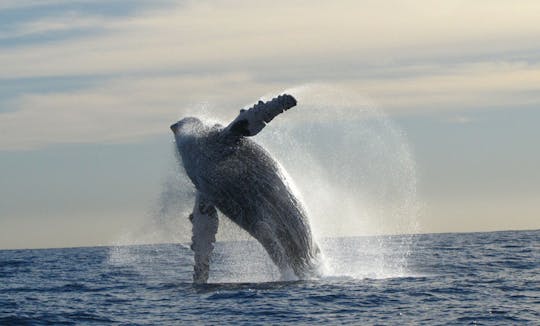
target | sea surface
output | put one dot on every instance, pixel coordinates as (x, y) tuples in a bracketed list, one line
[(461, 278)]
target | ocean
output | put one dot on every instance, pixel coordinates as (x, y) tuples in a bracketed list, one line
[(433, 279)]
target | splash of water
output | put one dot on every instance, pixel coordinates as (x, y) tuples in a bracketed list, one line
[(357, 176)]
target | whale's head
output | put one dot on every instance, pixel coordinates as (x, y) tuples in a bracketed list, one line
[(187, 127), (188, 135), (187, 131)]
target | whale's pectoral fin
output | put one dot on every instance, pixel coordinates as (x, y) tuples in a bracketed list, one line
[(204, 222), (250, 122)]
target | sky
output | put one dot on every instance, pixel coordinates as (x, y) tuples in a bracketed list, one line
[(445, 93)]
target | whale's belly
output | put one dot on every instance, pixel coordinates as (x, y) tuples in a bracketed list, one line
[(247, 184), (249, 187)]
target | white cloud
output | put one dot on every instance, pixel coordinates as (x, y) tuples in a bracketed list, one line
[(464, 87), (16, 4), (126, 109), (327, 36), (70, 21), (120, 110), (403, 56)]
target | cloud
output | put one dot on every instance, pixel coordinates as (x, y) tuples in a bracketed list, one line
[(469, 86), (326, 36), (155, 65), (16, 4), (127, 109), (120, 110), (70, 21)]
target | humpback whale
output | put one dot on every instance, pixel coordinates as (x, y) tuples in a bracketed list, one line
[(238, 177)]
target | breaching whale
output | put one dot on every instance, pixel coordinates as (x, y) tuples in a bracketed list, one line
[(237, 176)]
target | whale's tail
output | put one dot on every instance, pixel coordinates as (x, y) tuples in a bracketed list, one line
[(250, 122)]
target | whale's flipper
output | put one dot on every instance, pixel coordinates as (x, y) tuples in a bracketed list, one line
[(204, 222), (250, 122)]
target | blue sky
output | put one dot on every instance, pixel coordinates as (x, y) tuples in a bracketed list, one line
[(88, 89)]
